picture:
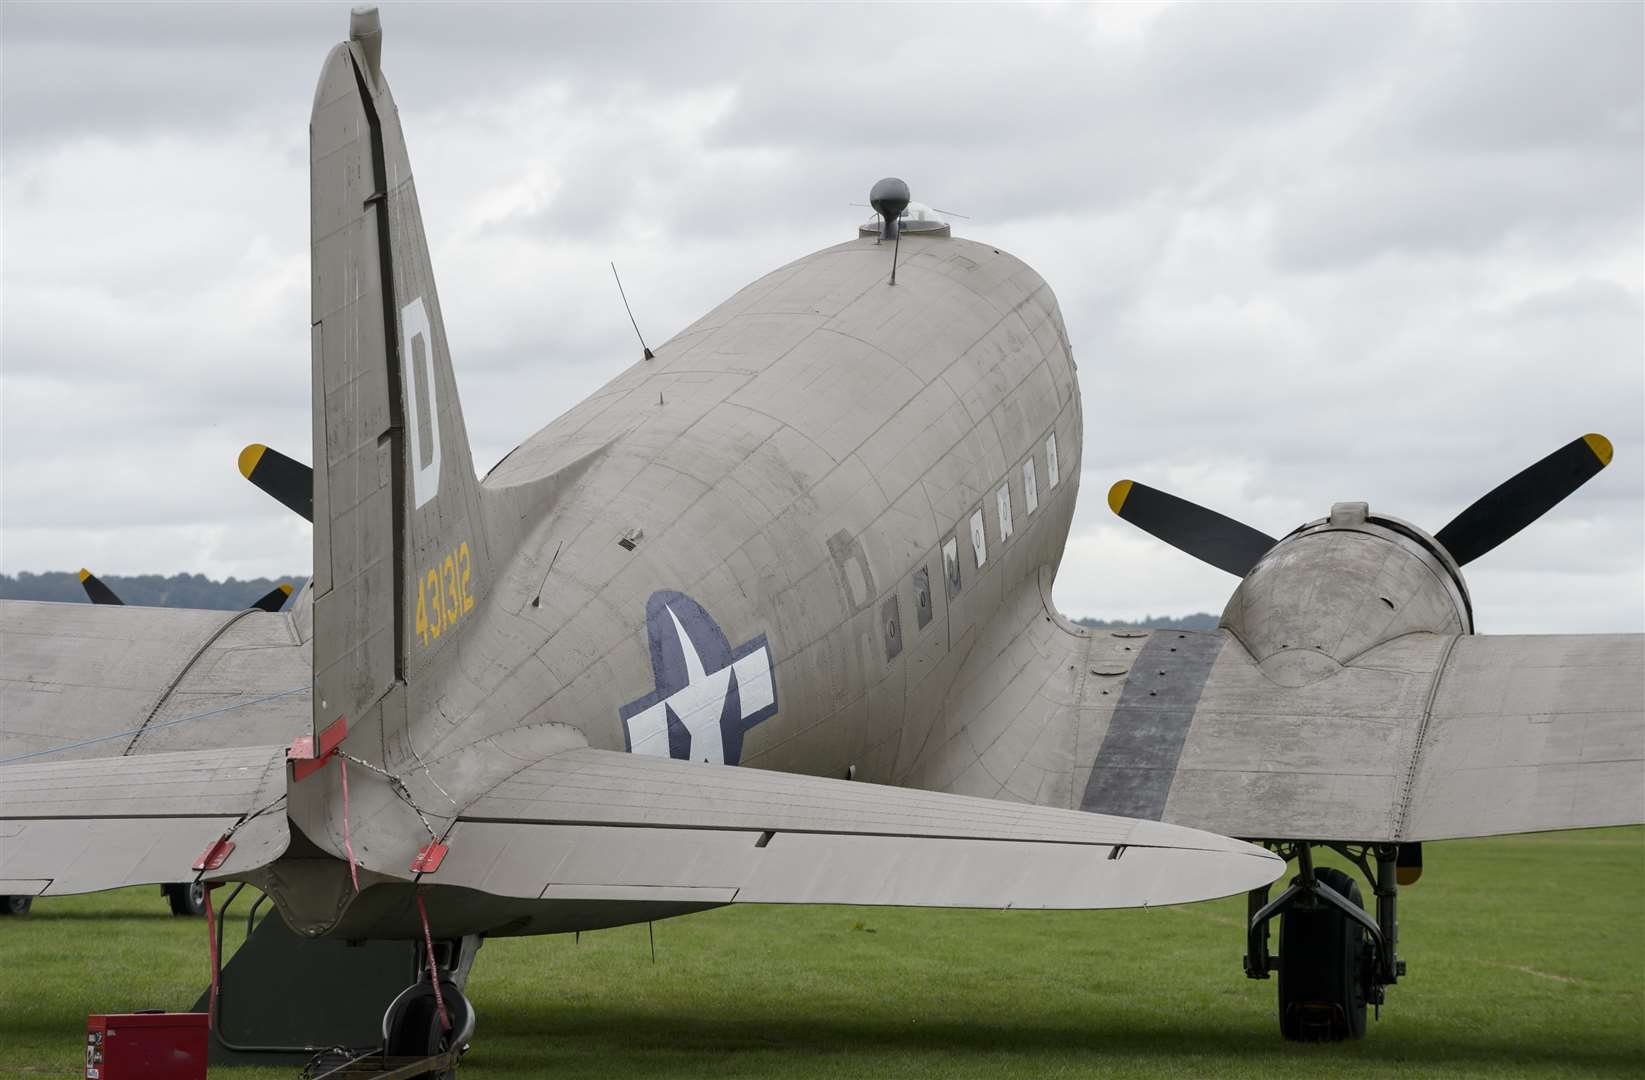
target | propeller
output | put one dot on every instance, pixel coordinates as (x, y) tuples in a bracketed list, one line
[(290, 482), (1499, 514), (1205, 534), (96, 591), (100, 593), (274, 599), (1520, 500)]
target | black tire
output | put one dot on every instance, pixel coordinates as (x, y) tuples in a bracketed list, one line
[(413, 1029), (1323, 960), (186, 898), (15, 905)]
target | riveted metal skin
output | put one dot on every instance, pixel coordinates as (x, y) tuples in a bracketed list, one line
[(552, 706)]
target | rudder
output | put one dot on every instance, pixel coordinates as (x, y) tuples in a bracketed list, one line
[(400, 555)]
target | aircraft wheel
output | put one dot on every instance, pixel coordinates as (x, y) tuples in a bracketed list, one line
[(411, 1026), (1323, 958), (15, 905), (186, 898)]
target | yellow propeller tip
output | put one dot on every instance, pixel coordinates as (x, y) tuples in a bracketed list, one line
[(84, 574), (285, 588), (249, 457), (1117, 494), (1601, 446)]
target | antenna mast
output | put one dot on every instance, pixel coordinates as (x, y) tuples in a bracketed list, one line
[(648, 353)]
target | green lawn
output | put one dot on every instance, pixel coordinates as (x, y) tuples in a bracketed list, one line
[(1527, 957)]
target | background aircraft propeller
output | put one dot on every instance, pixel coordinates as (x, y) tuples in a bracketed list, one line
[(99, 593), (96, 591), (1505, 510), (290, 482), (274, 599)]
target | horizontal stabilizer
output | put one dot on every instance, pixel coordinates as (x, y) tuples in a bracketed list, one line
[(599, 825), (84, 826)]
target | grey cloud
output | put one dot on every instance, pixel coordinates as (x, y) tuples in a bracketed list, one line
[(1305, 253)]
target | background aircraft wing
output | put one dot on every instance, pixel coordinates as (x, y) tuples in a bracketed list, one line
[(589, 824), (90, 680), (1425, 737), (82, 826)]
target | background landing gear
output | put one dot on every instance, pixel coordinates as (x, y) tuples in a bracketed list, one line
[(186, 898), (1334, 959)]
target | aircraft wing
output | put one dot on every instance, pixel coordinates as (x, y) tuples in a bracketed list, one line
[(92, 680), (83, 826), (1425, 737), (589, 824), (1532, 733)]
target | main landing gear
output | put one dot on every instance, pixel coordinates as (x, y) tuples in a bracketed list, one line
[(1334, 959), (424, 1023)]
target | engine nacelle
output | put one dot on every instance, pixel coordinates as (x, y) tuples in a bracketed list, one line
[(1335, 588)]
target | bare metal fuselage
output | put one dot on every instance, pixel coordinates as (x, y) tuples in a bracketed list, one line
[(826, 461), (791, 462)]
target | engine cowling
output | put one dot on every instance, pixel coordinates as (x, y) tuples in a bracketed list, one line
[(1335, 588)]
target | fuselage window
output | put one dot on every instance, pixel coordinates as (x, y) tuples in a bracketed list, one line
[(922, 595), (1051, 461), (1030, 488), (951, 564), (979, 541), (1003, 497)]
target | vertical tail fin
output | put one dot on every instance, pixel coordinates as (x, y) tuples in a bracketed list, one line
[(400, 557)]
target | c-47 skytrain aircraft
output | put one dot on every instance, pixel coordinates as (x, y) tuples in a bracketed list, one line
[(813, 537)]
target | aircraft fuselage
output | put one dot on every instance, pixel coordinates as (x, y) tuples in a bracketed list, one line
[(773, 538)]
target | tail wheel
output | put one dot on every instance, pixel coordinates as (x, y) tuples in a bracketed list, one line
[(412, 1028), (1324, 961), (15, 905)]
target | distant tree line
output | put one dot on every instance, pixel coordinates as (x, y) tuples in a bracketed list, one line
[(199, 591), (145, 590), (1200, 620)]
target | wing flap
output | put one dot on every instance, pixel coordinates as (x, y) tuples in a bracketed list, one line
[(594, 824)]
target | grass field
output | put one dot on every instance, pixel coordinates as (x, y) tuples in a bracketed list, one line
[(1527, 958)]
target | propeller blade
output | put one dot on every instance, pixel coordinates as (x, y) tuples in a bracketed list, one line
[(290, 482), (96, 590), (1521, 500), (274, 599), (1205, 534)]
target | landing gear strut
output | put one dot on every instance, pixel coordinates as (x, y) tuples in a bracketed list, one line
[(1334, 959)]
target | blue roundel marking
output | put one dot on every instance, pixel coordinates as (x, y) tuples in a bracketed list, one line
[(708, 694)]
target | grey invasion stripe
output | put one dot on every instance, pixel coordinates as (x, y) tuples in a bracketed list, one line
[(1137, 761)]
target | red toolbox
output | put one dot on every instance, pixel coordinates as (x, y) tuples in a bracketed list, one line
[(146, 1046)]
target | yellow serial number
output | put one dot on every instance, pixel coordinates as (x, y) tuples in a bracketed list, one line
[(442, 595)]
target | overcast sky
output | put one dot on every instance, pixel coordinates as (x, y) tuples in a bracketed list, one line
[(1305, 253)]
